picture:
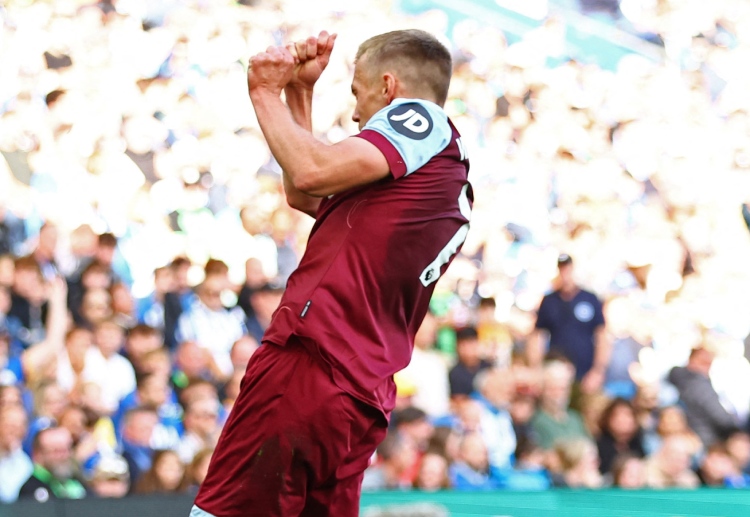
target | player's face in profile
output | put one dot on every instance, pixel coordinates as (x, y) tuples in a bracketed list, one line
[(368, 90)]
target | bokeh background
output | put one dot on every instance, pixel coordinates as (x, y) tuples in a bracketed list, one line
[(133, 167)]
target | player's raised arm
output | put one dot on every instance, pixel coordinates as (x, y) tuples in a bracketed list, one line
[(311, 57), (312, 167)]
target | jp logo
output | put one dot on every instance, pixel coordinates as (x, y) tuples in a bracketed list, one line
[(411, 120)]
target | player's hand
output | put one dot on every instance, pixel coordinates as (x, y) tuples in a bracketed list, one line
[(312, 56), (270, 70)]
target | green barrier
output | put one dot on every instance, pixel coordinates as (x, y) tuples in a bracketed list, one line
[(557, 503)]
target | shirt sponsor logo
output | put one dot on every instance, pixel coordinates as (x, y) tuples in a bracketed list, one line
[(584, 312), (411, 120)]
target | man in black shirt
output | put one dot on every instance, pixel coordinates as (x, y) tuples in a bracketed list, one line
[(573, 319), (469, 364)]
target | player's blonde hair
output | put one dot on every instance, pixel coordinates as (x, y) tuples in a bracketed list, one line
[(416, 57)]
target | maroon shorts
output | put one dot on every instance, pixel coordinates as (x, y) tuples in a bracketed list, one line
[(294, 443)]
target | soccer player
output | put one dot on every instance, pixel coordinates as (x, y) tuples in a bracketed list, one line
[(392, 207)]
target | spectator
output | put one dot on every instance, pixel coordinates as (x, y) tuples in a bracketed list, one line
[(738, 445), (123, 305), (153, 391), (11, 366), (574, 320), (433, 473), (554, 420), (672, 422), (704, 411), (522, 409), (592, 407), (10, 395), (7, 270), (94, 278), (80, 362), (15, 465), (166, 475), (178, 300), (579, 464), (717, 468), (472, 470), (49, 404), (12, 231), (117, 374), (137, 430), (428, 371), (141, 340), (194, 362), (620, 434), (669, 467), (197, 469), (495, 340), (104, 257), (461, 376), (201, 428), (628, 471), (28, 303), (414, 424), (8, 324), (153, 309), (264, 302), (210, 324), (55, 473), (646, 406), (110, 478), (242, 350), (529, 471), (96, 307), (45, 251), (396, 455), (494, 390), (86, 446), (255, 278)]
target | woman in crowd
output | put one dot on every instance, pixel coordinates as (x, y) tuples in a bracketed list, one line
[(166, 475), (620, 433)]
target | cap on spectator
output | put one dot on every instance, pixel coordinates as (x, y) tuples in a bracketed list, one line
[(564, 259)]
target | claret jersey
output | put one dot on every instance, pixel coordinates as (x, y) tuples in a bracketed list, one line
[(375, 252)]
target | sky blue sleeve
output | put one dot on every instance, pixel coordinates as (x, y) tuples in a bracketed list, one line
[(418, 130)]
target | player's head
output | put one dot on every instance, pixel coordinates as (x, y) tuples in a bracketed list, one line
[(405, 63)]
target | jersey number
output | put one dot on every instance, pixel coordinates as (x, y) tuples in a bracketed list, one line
[(432, 272)]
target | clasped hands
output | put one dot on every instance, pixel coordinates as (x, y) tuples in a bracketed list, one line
[(296, 65)]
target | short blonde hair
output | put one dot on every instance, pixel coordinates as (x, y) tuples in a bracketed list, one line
[(416, 57)]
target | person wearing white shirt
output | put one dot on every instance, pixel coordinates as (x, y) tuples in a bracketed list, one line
[(210, 324), (15, 465), (118, 375), (80, 361)]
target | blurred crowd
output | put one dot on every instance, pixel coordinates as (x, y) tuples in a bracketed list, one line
[(592, 333)]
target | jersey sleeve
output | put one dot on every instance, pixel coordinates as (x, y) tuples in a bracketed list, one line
[(409, 133)]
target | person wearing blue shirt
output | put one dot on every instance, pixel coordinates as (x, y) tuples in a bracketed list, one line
[(573, 320)]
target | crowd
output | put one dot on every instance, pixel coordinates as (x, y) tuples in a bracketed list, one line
[(592, 333)]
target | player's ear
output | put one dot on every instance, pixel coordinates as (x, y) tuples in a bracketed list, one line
[(389, 87)]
